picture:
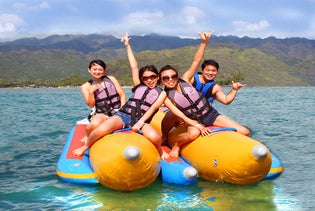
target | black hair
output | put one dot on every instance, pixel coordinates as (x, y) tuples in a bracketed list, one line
[(209, 62), (150, 68), (99, 62), (167, 67)]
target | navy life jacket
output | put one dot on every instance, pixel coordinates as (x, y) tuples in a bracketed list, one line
[(205, 89)]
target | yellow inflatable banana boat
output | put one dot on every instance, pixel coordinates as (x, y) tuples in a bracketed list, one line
[(224, 155), (125, 161)]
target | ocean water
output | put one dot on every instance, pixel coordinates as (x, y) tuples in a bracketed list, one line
[(35, 124)]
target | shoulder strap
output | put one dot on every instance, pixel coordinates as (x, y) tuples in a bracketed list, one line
[(137, 111), (197, 82), (207, 89)]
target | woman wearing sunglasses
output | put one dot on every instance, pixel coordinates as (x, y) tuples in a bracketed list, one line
[(186, 100), (138, 110)]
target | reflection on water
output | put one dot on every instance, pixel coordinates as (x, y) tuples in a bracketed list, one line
[(162, 196), (234, 197)]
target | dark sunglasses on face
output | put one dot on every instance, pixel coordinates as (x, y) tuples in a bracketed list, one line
[(166, 78), (151, 77)]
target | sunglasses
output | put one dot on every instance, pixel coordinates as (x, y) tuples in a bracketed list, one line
[(150, 77), (166, 78)]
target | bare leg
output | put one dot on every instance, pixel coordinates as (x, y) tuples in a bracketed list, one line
[(167, 124), (175, 151), (95, 122), (108, 126), (223, 121), (155, 137), (190, 135)]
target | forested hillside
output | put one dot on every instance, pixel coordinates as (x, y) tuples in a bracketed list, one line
[(63, 60)]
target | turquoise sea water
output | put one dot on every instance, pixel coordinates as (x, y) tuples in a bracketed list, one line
[(35, 124)]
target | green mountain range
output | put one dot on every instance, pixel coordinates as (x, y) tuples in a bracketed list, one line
[(62, 60)]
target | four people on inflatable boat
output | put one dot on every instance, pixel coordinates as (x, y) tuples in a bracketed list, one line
[(192, 104)]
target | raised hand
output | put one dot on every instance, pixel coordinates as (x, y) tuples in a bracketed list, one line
[(125, 39), (237, 85), (205, 36)]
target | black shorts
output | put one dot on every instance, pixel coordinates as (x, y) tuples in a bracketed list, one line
[(209, 119)]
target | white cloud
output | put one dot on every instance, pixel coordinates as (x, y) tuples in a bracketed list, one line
[(191, 14), (245, 26), (7, 27), (8, 22), (24, 6), (183, 18), (139, 19)]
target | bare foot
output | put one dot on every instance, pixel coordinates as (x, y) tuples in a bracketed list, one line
[(84, 139), (80, 151), (164, 155), (175, 151)]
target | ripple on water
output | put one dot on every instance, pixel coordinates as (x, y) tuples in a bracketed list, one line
[(34, 130)]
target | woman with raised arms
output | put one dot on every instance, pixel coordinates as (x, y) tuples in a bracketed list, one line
[(189, 105), (139, 109)]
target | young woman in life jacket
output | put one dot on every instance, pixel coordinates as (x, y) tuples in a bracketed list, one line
[(186, 100), (103, 94), (138, 110)]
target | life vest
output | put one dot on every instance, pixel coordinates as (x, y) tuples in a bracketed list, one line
[(205, 89), (191, 102), (140, 102), (106, 99)]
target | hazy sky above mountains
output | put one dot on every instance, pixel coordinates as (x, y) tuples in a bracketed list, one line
[(185, 18)]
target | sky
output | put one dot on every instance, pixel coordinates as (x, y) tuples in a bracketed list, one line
[(184, 18)]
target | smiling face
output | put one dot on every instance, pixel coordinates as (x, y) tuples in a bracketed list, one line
[(209, 73), (149, 78), (96, 71), (169, 78), (210, 70)]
